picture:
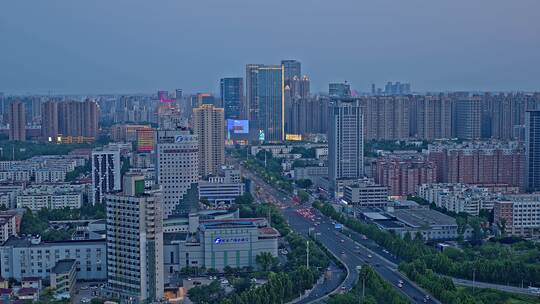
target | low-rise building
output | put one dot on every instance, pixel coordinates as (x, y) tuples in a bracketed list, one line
[(27, 256), (36, 198), (457, 197), (366, 195), (63, 278), (430, 224), (222, 189), (518, 214), (8, 225), (312, 173), (219, 243)]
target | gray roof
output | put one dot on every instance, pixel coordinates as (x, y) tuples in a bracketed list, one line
[(423, 218), (64, 266)]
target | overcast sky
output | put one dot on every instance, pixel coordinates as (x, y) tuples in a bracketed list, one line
[(123, 46)]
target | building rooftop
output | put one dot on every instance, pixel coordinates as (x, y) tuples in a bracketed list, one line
[(64, 266), (19, 242), (169, 237), (423, 218)]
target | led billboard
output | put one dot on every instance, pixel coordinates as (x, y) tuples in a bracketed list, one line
[(235, 126)]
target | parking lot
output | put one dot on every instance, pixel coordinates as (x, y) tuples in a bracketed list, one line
[(86, 291)]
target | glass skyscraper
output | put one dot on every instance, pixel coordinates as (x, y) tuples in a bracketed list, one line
[(532, 150), (232, 95), (271, 101)]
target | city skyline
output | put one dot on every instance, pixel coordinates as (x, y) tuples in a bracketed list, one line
[(484, 46)]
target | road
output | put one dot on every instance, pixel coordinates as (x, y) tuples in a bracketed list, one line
[(350, 252)]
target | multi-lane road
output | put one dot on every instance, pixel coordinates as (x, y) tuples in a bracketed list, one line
[(352, 253)]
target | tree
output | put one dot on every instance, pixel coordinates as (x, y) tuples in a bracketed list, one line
[(304, 183), (266, 261), (303, 196)]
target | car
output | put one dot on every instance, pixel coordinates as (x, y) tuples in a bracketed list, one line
[(342, 252), (196, 283), (377, 265), (189, 279), (342, 240), (369, 256), (400, 285), (85, 300), (400, 281), (425, 300), (84, 287)]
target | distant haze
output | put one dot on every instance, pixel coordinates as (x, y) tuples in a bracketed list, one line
[(127, 46)]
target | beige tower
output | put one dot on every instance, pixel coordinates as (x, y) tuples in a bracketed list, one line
[(209, 126)]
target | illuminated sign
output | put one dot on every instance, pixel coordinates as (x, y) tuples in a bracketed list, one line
[(293, 137), (236, 126), (261, 135), (231, 240)]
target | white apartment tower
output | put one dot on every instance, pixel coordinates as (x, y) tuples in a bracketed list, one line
[(135, 242), (177, 166), (105, 173)]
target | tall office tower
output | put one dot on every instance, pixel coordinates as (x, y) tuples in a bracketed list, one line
[(177, 165), (433, 117), (386, 117), (135, 242), (49, 120), (106, 177), (532, 150), (78, 118), (271, 98), (339, 90), (466, 122), (232, 95), (251, 107), (373, 90), (209, 126), (292, 68), (17, 121), (345, 141)]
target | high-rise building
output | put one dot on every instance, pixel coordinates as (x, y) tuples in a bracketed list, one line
[(271, 102), (135, 242), (466, 116), (209, 126), (481, 163), (106, 177), (532, 150), (292, 68), (78, 118), (177, 165), (299, 87), (49, 120), (17, 121), (232, 95), (433, 117), (345, 140), (397, 88), (339, 90), (251, 106), (386, 117), (145, 139), (206, 98)]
